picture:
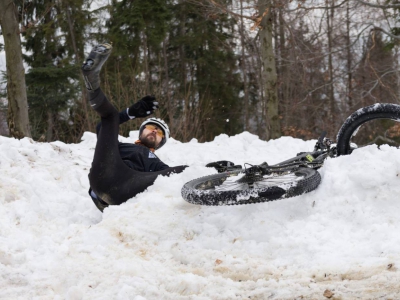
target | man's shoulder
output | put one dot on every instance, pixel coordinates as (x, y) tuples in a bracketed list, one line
[(128, 145), (128, 148), (133, 148)]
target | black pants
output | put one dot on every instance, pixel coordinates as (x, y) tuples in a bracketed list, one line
[(110, 178)]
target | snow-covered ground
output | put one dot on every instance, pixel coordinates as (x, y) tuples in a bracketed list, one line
[(341, 239)]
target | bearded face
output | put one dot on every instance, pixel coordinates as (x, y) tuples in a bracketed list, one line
[(150, 138)]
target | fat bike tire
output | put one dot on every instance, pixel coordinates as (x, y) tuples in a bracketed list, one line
[(361, 116), (202, 191)]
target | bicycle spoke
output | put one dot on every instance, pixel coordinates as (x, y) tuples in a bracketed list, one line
[(269, 180), (232, 183)]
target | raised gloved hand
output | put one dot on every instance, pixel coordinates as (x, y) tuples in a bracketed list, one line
[(224, 166), (143, 108)]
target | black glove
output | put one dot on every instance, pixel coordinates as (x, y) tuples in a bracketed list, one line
[(143, 107), (223, 166)]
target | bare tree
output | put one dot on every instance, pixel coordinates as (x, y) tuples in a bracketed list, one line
[(330, 13), (18, 119), (269, 70), (268, 116), (243, 64)]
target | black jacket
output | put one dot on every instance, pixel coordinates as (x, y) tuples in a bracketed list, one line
[(140, 158), (137, 157)]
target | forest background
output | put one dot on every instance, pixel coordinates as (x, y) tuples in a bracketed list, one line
[(270, 67)]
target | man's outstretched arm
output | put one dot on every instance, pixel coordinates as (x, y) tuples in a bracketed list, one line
[(143, 108)]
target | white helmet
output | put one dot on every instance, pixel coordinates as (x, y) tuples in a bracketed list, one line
[(160, 123)]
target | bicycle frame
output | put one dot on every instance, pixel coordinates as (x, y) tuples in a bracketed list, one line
[(314, 159)]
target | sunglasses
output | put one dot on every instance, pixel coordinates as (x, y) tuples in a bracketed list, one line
[(151, 127)]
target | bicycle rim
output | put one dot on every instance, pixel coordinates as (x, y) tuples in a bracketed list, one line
[(227, 188)]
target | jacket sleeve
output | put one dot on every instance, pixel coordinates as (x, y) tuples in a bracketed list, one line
[(161, 166), (169, 170), (123, 117)]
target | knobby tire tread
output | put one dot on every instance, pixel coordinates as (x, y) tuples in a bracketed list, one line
[(361, 116), (193, 195)]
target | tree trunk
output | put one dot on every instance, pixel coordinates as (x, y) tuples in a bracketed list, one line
[(186, 88), (85, 100), (349, 60), (17, 119), (50, 126), (170, 105), (273, 129), (244, 71), (146, 65), (329, 21), (282, 68)]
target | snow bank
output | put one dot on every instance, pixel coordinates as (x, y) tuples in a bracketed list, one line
[(55, 244)]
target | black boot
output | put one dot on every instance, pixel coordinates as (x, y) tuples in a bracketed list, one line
[(92, 66)]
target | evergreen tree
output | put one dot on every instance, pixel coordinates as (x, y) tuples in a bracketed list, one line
[(204, 70), (136, 29), (182, 55), (54, 51)]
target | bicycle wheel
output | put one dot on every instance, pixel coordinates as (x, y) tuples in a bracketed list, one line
[(375, 124), (230, 188)]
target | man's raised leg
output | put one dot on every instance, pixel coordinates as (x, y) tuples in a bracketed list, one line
[(106, 161), (91, 73)]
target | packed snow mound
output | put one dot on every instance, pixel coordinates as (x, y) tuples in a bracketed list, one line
[(55, 244)]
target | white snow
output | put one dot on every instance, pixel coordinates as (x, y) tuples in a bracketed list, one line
[(55, 244)]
